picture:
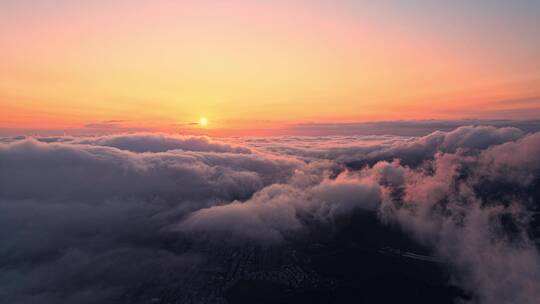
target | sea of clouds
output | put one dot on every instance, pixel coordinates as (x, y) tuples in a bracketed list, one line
[(83, 219)]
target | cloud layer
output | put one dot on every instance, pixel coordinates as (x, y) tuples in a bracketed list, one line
[(78, 212)]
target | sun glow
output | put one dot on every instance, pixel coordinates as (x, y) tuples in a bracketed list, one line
[(203, 121)]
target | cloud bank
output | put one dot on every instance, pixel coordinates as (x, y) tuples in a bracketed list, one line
[(78, 212)]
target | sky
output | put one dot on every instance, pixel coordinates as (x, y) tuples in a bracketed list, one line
[(256, 67)]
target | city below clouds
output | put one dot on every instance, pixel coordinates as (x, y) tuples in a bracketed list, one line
[(92, 219)]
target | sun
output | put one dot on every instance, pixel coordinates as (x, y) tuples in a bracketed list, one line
[(203, 121)]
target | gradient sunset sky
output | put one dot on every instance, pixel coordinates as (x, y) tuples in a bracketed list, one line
[(261, 65)]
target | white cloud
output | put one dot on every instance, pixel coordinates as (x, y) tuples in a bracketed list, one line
[(78, 212)]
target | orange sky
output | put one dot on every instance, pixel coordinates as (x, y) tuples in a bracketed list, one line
[(259, 65)]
